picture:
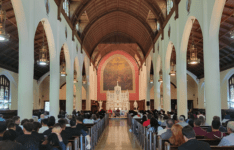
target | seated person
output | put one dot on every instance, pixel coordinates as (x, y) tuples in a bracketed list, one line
[(197, 129), (51, 123), (190, 141), (9, 143), (146, 123), (166, 133), (154, 126), (228, 140), (54, 139), (88, 120), (182, 121), (221, 128), (12, 128), (215, 134), (36, 127), (2, 129), (203, 121), (28, 140), (16, 120), (65, 134), (82, 129), (1, 118), (44, 126), (177, 138)]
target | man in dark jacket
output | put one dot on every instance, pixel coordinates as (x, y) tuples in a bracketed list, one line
[(190, 141), (166, 135)]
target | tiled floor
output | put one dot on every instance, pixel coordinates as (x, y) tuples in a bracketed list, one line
[(117, 137)]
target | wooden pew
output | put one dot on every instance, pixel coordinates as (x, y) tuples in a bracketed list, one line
[(75, 142), (170, 147), (211, 141), (69, 146)]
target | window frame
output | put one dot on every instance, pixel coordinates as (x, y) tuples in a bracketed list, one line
[(231, 83), (170, 5), (5, 82)]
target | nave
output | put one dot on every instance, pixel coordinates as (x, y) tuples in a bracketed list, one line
[(117, 137)]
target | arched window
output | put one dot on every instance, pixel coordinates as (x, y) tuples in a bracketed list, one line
[(231, 92), (4, 92), (169, 6), (66, 7)]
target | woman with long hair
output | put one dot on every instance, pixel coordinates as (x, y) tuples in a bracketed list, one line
[(177, 137), (155, 127)]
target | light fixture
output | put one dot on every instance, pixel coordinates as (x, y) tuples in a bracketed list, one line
[(172, 72), (151, 78), (161, 79), (63, 72), (232, 34), (84, 79), (43, 52), (75, 77), (3, 36), (193, 53)]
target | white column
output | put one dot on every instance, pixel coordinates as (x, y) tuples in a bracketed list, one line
[(69, 89), (87, 94), (26, 68), (54, 85), (166, 90), (156, 92), (181, 77), (211, 69), (25, 87), (78, 96)]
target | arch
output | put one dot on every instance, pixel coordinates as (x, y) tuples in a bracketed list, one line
[(193, 76), (50, 37), (227, 76), (168, 56), (21, 19), (9, 76), (42, 78), (216, 18), (185, 37)]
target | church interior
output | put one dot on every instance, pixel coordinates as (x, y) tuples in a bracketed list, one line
[(122, 60)]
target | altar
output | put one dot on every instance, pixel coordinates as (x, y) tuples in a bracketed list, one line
[(117, 99)]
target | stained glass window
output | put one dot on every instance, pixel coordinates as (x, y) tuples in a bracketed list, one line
[(169, 6), (66, 7), (231, 92), (4, 92)]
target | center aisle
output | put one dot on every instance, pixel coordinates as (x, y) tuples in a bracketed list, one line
[(117, 137)]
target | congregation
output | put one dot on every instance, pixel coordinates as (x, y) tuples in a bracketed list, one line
[(47, 132), (183, 133)]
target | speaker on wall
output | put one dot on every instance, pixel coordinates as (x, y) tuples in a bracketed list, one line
[(148, 103)]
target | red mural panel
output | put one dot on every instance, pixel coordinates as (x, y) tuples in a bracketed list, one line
[(132, 96)]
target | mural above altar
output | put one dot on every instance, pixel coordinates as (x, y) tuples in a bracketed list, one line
[(117, 99)]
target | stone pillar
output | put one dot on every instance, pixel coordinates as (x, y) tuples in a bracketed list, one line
[(54, 85), (181, 77), (156, 92), (87, 94), (166, 91), (78, 96), (26, 67), (69, 89), (25, 87)]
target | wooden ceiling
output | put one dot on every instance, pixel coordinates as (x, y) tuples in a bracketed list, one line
[(109, 22)]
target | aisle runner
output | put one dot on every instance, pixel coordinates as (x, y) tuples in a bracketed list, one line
[(117, 137)]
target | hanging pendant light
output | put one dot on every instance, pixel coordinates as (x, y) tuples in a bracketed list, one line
[(75, 77), (151, 78), (161, 79), (193, 53), (63, 72), (84, 79), (172, 72), (3, 36), (43, 52)]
